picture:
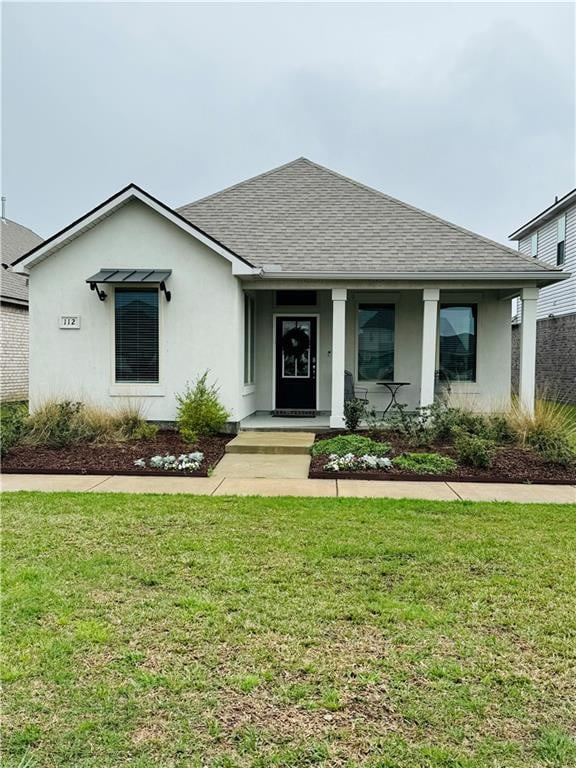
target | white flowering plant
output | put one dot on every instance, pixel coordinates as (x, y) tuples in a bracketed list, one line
[(350, 461), (186, 462)]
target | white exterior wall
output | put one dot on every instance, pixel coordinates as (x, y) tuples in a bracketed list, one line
[(407, 343), (491, 390), (266, 310), (200, 328), (559, 299), (13, 352)]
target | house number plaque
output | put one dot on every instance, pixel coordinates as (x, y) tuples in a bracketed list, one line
[(70, 321)]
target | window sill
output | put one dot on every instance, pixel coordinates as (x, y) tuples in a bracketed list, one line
[(136, 390), (248, 389), (470, 387)]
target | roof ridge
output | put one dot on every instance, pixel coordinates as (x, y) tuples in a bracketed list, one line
[(5, 220), (242, 183), (425, 213)]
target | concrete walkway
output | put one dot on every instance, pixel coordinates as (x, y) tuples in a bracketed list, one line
[(217, 485)]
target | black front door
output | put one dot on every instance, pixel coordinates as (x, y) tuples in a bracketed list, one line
[(296, 363)]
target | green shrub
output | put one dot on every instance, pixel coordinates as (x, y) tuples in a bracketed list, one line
[(415, 426), (59, 424), (474, 451), (145, 431), (128, 423), (343, 444), (550, 430), (552, 446), (549, 418), (12, 425), (447, 422), (499, 430), (425, 463), (354, 412), (200, 411)]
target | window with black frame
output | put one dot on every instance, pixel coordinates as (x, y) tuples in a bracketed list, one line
[(458, 323), (136, 335), (376, 342), (560, 240), (249, 338)]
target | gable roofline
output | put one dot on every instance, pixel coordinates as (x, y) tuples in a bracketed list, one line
[(432, 217), (548, 213), (126, 194)]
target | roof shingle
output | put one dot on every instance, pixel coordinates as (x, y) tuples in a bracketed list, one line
[(16, 240), (304, 217)]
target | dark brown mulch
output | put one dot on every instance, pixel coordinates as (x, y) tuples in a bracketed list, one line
[(511, 465), (113, 458)]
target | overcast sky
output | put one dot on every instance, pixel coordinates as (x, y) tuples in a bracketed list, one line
[(466, 110)]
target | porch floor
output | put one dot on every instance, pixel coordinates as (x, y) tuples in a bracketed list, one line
[(263, 420)]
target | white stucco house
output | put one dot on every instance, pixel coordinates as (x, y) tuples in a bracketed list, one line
[(277, 285)]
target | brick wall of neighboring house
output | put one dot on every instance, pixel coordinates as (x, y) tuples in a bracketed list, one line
[(13, 352), (555, 357)]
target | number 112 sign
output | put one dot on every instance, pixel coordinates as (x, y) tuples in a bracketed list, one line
[(70, 322)]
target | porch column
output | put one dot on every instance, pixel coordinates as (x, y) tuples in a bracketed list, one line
[(430, 297), (338, 351), (527, 388)]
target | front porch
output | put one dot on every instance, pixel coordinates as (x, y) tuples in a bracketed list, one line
[(299, 343), (265, 421)]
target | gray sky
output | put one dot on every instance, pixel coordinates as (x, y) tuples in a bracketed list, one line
[(466, 110)]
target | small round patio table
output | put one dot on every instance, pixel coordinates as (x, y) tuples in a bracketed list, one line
[(392, 387)]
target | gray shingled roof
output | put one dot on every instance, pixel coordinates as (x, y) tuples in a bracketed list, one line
[(304, 217), (16, 240)]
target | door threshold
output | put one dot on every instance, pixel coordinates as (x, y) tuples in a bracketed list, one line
[(294, 413)]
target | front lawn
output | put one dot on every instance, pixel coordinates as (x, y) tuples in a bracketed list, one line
[(158, 631)]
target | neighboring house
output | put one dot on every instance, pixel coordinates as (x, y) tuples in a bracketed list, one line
[(277, 285), (551, 238), (15, 240)]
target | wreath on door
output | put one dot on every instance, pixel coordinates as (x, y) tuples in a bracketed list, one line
[(295, 342)]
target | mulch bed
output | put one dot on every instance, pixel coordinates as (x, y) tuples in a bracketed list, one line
[(113, 458), (511, 465)]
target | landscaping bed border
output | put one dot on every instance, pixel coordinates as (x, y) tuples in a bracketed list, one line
[(103, 473), (422, 478), (104, 460)]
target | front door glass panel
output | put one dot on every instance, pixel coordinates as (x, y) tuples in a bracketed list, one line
[(296, 349)]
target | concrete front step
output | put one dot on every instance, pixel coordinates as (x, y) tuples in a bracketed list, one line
[(271, 442)]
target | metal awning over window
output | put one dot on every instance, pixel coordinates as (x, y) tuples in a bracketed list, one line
[(130, 277)]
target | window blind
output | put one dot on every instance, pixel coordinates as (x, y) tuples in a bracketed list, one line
[(136, 335), (375, 342), (458, 342)]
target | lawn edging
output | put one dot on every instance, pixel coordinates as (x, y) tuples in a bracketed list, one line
[(414, 477), (104, 473)]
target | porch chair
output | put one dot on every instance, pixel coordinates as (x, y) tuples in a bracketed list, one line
[(351, 391)]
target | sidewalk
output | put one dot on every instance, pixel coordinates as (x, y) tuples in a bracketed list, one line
[(243, 486)]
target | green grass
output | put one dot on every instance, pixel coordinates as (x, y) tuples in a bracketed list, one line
[(187, 631)]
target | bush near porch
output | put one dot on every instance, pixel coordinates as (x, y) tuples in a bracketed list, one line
[(452, 443)]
